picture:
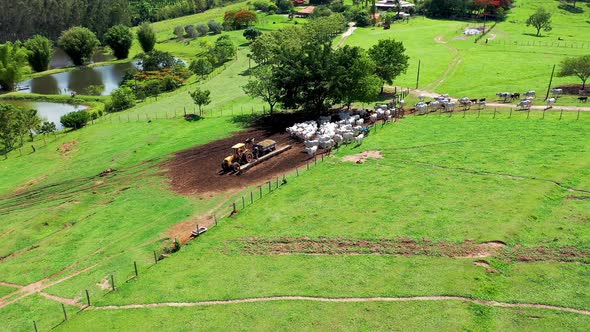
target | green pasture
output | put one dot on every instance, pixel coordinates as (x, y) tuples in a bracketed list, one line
[(313, 316), (478, 177), (513, 60)]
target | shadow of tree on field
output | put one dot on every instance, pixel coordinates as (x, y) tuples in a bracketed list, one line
[(572, 9), (534, 35)]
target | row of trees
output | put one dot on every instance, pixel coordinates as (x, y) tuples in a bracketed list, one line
[(298, 67), (78, 42), (22, 19), (16, 124), (465, 8)]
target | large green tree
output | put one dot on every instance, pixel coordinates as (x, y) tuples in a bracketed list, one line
[(13, 58), (354, 76), (119, 38), (146, 37), (8, 127), (390, 60), (579, 66), (200, 97), (541, 19), (261, 85), (40, 52), (79, 44)]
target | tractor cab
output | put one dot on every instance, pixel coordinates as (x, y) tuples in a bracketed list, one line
[(241, 155)]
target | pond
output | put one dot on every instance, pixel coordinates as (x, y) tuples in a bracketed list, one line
[(61, 60), (51, 112), (78, 80)]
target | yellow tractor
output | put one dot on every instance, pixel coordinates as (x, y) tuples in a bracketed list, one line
[(242, 155)]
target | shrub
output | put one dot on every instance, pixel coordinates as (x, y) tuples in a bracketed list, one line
[(251, 34), (121, 99), (202, 29), (201, 66), (238, 19), (284, 6), (155, 60), (119, 38), (146, 37), (40, 52), (215, 27), (178, 31), (79, 44), (190, 30), (75, 120)]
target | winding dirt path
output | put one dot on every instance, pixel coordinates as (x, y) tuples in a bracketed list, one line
[(346, 300), (346, 34)]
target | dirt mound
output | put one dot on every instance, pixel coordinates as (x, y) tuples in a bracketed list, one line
[(360, 158), (574, 89), (67, 148), (197, 170)]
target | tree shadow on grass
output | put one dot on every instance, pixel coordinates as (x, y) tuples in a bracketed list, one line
[(572, 9), (535, 35)]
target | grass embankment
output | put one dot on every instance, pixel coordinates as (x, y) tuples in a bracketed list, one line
[(423, 188)]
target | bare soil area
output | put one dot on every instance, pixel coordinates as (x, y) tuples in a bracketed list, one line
[(197, 171)]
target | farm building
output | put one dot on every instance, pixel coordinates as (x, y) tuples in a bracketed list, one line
[(305, 12), (391, 4)]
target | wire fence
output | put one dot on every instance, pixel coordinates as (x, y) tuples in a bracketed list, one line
[(541, 43)]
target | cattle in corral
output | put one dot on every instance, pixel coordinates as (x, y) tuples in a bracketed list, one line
[(530, 93), (482, 99), (583, 99), (524, 104), (516, 95), (557, 92), (473, 101)]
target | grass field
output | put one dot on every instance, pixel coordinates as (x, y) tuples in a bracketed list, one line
[(452, 180), (451, 63)]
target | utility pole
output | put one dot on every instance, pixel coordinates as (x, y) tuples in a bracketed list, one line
[(418, 75), (550, 81)]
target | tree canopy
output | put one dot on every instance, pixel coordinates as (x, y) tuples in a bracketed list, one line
[(146, 37), (119, 38), (40, 52), (299, 68), (200, 97), (79, 44), (541, 19), (390, 59), (13, 58), (579, 66)]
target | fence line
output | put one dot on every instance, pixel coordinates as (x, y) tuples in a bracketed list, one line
[(535, 43)]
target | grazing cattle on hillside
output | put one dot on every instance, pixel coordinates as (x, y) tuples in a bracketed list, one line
[(506, 96), (583, 99), (530, 93), (524, 104), (557, 92)]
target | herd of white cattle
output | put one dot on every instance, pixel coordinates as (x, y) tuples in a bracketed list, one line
[(324, 134), (445, 103)]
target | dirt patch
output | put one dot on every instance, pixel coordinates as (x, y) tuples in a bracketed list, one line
[(67, 148), (574, 89), (577, 198), (487, 249), (196, 171), (182, 231), (409, 247), (104, 283), (360, 158), (481, 263), (440, 40)]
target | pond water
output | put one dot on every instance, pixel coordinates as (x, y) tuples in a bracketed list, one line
[(51, 112), (62, 60), (78, 80)]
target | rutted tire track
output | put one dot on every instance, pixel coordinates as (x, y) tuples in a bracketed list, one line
[(346, 300)]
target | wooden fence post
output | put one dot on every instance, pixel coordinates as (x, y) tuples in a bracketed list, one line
[(243, 203), (112, 283), (63, 307), (234, 205), (35, 325), (135, 267), (578, 117), (510, 116), (251, 198), (155, 258), (561, 114)]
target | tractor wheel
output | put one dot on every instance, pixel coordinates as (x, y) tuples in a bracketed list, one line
[(224, 166), (248, 157), (236, 167)]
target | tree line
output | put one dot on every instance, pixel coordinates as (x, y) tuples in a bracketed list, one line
[(22, 19)]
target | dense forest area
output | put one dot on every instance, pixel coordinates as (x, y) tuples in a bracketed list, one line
[(21, 19)]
